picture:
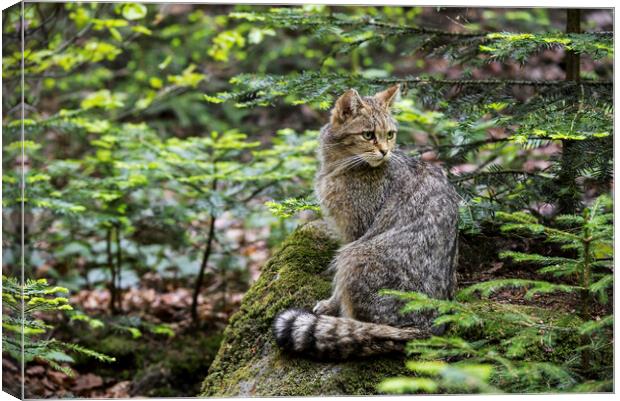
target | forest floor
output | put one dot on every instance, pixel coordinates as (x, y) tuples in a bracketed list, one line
[(479, 262), (148, 364)]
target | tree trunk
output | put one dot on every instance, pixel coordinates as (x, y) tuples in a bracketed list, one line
[(570, 198)]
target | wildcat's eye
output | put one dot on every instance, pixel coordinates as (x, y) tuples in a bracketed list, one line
[(390, 135), (368, 135)]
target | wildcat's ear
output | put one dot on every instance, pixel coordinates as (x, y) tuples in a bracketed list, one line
[(346, 106), (388, 96)]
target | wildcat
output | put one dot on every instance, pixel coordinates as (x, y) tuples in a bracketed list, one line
[(397, 217)]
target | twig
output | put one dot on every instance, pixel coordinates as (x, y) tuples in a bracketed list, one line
[(203, 264), (333, 20), (112, 271), (119, 267), (488, 82), (503, 172)]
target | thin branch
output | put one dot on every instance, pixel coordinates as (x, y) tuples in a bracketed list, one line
[(112, 266), (437, 32), (119, 268), (17, 35), (204, 263), (488, 82), (473, 144), (289, 21), (490, 173), (160, 97), (261, 188), (258, 191)]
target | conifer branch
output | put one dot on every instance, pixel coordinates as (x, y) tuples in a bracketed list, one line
[(296, 18), (349, 32), (488, 82), (500, 172), (321, 88)]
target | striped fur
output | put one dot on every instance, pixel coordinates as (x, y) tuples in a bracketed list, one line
[(397, 217), (328, 337)]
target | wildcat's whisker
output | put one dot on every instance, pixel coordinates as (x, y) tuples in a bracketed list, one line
[(343, 164), (398, 157), (349, 162)]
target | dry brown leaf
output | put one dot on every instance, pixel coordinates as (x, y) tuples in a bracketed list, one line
[(87, 382), (119, 390), (36, 370)]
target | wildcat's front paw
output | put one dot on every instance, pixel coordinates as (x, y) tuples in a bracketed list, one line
[(325, 307)]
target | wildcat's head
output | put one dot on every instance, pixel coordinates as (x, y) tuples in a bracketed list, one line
[(362, 129)]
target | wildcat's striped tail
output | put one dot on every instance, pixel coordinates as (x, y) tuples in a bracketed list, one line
[(329, 337)]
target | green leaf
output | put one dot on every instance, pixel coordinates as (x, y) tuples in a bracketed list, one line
[(134, 11), (212, 99), (289, 207), (58, 356), (135, 333), (592, 326), (116, 34), (431, 368), (104, 99), (165, 63), (142, 29), (163, 329), (407, 385), (481, 371), (187, 78), (600, 287)]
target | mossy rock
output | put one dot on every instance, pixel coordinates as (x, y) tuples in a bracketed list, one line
[(250, 364)]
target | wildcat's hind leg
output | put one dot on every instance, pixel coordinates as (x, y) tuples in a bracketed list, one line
[(327, 307)]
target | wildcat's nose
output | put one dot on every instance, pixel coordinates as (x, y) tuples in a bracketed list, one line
[(383, 152)]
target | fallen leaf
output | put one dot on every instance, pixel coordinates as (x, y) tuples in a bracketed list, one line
[(37, 370), (87, 382), (57, 377), (119, 390)]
